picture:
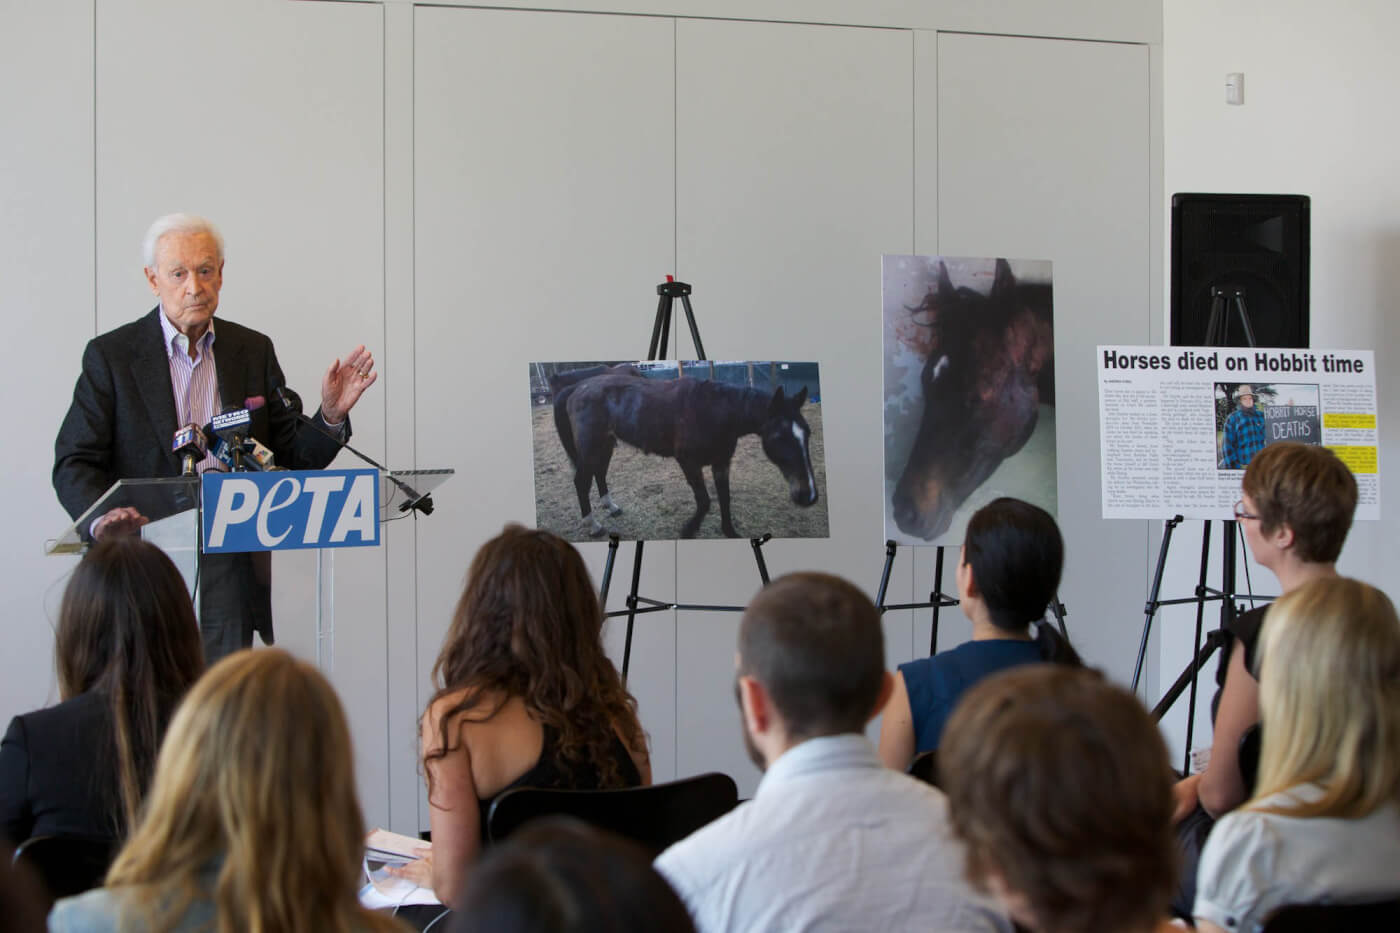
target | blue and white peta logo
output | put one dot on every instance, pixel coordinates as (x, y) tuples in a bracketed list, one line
[(290, 509)]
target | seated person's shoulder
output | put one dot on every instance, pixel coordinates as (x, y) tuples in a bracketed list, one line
[(469, 710), (95, 911)]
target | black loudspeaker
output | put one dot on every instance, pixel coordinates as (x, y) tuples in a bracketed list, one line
[(1254, 243)]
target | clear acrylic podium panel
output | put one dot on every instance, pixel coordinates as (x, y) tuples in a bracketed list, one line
[(170, 503), (305, 585)]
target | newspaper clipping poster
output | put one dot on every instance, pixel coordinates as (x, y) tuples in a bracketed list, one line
[(1178, 425)]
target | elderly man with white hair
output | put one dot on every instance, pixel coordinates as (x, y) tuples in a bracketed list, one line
[(176, 366)]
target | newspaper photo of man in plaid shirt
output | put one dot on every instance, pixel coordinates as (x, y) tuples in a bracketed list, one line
[(1244, 431)]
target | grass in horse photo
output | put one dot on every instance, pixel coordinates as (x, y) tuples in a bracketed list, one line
[(758, 453), (969, 391)]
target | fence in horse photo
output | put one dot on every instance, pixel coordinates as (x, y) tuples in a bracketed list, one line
[(647, 450)]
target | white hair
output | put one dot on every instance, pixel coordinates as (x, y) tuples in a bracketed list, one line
[(177, 223)]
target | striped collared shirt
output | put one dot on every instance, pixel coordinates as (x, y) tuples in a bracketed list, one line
[(194, 381)]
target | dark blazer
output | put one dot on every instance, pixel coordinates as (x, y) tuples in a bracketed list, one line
[(58, 772), (123, 418)]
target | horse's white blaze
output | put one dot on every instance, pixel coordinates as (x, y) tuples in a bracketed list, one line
[(801, 436), (938, 367)]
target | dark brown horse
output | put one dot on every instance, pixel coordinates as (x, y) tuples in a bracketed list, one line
[(698, 422), (990, 366)]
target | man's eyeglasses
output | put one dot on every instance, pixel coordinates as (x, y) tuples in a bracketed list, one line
[(1240, 513)]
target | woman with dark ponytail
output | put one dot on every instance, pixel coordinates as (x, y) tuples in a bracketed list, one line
[(1007, 575)]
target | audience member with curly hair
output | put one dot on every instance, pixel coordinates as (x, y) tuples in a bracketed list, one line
[(524, 696)]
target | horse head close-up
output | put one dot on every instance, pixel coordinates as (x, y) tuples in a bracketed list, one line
[(989, 367), (787, 442)]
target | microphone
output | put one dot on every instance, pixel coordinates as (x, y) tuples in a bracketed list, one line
[(231, 427), (290, 399), (258, 454), (190, 444), (230, 422)]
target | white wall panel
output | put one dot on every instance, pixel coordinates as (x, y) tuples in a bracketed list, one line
[(794, 173), (544, 217), (1043, 154), (46, 293)]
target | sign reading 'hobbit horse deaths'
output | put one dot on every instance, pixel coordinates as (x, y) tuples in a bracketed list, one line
[(969, 391), (662, 449)]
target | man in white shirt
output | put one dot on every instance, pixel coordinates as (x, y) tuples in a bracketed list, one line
[(832, 840)]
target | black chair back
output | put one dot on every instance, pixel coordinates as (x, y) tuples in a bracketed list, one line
[(67, 865), (654, 817), (925, 767), (1370, 917)]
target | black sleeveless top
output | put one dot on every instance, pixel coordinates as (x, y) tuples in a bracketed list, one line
[(548, 771)]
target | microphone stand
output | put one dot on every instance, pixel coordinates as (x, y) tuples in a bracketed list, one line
[(417, 502)]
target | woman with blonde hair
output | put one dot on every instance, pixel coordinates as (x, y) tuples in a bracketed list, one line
[(1324, 823), (252, 821), (525, 698)]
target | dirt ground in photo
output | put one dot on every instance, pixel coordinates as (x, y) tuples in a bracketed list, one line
[(656, 500)]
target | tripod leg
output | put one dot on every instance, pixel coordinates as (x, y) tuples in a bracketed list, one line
[(607, 573), (1152, 602), (632, 609), (1058, 608), (757, 545), (1244, 318), (694, 331), (885, 575), (1215, 324), (936, 599), (659, 326), (1196, 645)]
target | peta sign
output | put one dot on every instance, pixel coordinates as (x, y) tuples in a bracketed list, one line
[(290, 509)]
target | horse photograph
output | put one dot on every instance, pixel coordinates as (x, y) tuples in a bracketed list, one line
[(665, 449), (969, 391)]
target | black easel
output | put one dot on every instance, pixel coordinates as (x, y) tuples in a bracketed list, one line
[(1224, 301), (668, 291), (939, 600)]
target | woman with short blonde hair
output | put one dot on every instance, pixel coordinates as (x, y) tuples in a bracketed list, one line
[(1324, 823), (252, 821)]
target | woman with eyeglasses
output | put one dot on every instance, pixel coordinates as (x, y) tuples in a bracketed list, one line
[(1295, 513)]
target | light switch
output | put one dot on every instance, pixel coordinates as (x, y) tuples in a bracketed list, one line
[(1234, 87)]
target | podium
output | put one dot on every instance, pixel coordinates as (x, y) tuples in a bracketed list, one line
[(176, 525)]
